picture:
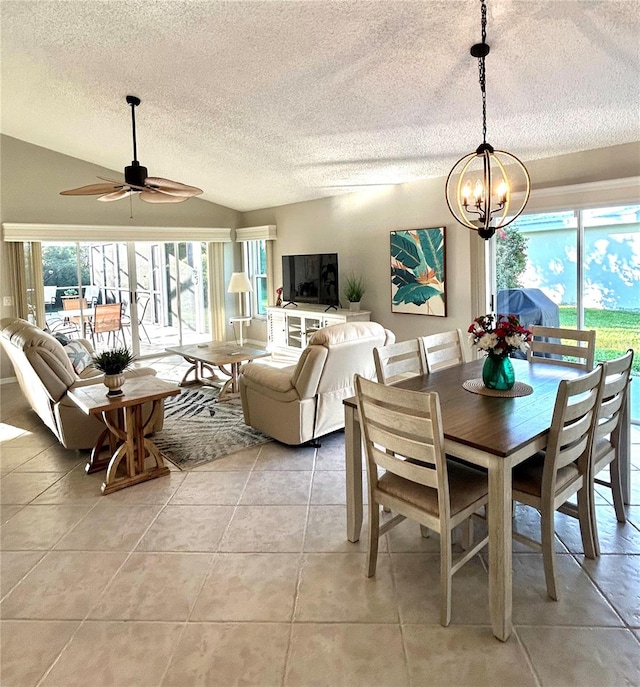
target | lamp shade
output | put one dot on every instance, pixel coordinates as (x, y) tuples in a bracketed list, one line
[(239, 283)]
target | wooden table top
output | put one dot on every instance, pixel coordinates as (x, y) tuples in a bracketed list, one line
[(492, 424), (93, 399), (219, 352)]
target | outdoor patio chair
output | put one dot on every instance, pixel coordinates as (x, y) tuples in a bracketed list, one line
[(107, 320)]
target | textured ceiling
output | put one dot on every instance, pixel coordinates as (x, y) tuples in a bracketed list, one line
[(267, 103)]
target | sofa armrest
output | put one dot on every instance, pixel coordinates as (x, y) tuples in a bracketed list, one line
[(278, 379)]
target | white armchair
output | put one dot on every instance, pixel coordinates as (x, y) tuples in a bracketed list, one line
[(299, 403)]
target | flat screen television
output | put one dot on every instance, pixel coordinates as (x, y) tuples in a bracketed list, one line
[(310, 279)]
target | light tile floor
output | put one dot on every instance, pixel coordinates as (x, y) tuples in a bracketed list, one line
[(240, 573)]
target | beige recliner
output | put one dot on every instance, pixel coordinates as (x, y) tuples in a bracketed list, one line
[(45, 374), (299, 403)]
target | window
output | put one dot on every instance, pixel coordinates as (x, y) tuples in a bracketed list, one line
[(581, 267), (255, 265)]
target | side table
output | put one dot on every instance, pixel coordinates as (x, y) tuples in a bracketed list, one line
[(123, 417)]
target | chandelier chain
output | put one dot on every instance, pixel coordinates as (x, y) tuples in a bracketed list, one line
[(482, 73)]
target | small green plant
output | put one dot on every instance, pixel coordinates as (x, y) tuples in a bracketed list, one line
[(354, 288), (71, 292), (113, 362)]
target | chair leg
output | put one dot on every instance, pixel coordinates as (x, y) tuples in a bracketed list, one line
[(548, 552), (374, 536), (588, 526), (445, 577), (616, 490)]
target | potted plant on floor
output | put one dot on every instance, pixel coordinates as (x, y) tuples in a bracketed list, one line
[(354, 291), (113, 363)]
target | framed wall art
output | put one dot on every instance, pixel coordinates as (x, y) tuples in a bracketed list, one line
[(418, 272)]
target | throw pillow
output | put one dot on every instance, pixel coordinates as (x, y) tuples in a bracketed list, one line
[(61, 338), (78, 355)]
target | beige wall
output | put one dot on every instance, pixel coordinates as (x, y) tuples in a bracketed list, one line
[(30, 184), (357, 227)]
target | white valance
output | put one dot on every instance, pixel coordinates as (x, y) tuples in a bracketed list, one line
[(266, 232), (104, 233), (595, 194)]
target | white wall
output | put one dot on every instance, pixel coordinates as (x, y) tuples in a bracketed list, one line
[(357, 226)]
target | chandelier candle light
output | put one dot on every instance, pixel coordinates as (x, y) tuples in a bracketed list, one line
[(498, 335), (478, 190)]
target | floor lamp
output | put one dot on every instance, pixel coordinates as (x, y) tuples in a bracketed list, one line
[(240, 284)]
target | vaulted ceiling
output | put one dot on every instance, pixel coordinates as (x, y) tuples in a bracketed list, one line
[(262, 103)]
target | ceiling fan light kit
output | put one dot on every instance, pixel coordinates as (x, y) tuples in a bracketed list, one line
[(136, 179), (478, 189)]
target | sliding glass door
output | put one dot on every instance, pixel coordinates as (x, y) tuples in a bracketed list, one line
[(577, 269), (162, 288)]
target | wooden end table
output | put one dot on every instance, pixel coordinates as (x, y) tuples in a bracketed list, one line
[(220, 354), (126, 429)]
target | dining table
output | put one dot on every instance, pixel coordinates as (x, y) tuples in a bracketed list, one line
[(494, 432)]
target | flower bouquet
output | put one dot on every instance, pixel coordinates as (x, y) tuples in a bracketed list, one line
[(498, 335)]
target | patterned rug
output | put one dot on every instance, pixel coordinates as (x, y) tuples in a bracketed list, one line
[(198, 430)]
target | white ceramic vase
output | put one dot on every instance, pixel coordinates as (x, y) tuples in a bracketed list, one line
[(354, 305), (114, 384)]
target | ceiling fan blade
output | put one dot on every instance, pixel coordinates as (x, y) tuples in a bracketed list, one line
[(93, 189), (151, 196), (172, 188), (116, 195)]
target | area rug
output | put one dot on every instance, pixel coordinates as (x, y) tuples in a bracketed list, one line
[(197, 429)]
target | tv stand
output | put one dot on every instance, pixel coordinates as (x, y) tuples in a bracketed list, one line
[(289, 331), (331, 307), (295, 305)]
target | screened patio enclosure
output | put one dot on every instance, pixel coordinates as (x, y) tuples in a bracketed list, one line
[(162, 289)]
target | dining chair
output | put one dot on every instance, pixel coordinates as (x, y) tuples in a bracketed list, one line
[(398, 361), (402, 435), (444, 349), (545, 481), (107, 320), (616, 379), (561, 346)]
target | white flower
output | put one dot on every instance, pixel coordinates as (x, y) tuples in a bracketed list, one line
[(515, 341), (487, 342)]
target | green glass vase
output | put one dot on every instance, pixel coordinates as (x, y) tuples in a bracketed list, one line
[(497, 373)]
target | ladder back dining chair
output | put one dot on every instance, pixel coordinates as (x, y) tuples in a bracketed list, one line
[(402, 435), (545, 481), (561, 346), (398, 361), (444, 349), (616, 379)]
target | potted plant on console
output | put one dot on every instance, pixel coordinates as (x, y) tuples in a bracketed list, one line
[(354, 291), (113, 364)]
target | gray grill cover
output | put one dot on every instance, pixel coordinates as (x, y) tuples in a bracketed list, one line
[(532, 306)]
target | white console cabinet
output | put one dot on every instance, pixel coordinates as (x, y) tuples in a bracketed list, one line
[(289, 329)]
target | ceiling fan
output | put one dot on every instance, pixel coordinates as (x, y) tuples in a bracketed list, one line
[(151, 189)]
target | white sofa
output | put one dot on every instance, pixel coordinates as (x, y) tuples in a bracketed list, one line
[(302, 402), (45, 374)]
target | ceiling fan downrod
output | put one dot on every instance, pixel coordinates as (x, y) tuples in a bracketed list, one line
[(134, 174)]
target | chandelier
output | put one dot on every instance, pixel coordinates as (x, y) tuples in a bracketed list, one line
[(478, 188)]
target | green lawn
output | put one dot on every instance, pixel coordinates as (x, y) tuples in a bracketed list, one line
[(617, 330)]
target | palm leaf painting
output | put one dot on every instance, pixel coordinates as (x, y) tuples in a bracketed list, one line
[(418, 271)]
